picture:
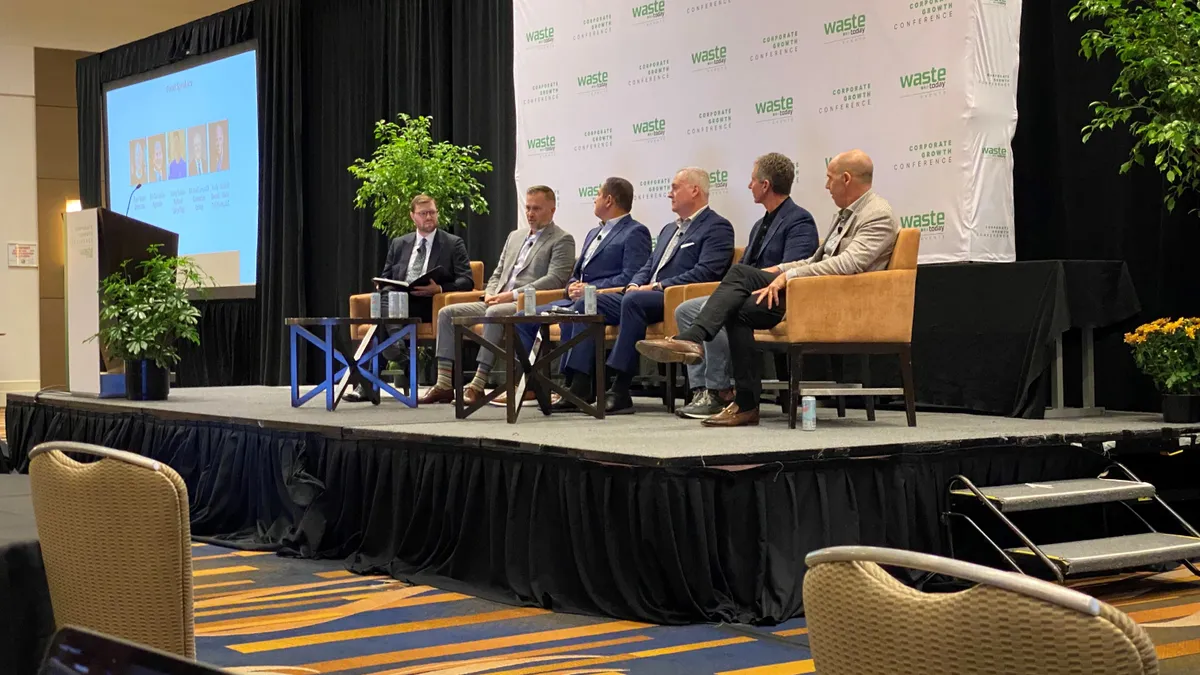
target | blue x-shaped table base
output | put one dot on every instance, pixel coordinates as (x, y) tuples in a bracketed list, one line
[(365, 361)]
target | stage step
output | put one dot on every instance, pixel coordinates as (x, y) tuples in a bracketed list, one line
[(1049, 495), (1116, 553)]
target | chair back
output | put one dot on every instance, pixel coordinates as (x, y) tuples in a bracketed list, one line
[(116, 542), (738, 252), (862, 621), (904, 254), (477, 274)]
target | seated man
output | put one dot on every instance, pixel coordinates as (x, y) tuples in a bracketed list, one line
[(409, 257), (612, 253), (861, 240), (538, 257), (696, 248), (786, 232)]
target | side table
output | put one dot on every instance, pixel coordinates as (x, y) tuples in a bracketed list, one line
[(538, 371), (364, 363)]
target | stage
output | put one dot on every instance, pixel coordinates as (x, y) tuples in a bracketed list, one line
[(647, 516)]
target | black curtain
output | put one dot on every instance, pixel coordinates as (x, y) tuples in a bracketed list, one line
[(1072, 203), (228, 351), (328, 70)]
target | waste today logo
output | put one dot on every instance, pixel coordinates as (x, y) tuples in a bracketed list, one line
[(587, 193), (652, 71), (651, 131), (777, 44), (926, 154), (541, 147), (933, 222), (540, 37), (849, 29), (592, 83), (776, 110), (711, 121), (594, 26), (848, 97), (651, 12), (718, 181), (924, 12), (924, 82), (996, 152), (713, 58), (595, 139)]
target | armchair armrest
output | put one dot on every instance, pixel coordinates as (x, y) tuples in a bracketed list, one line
[(543, 298), (457, 298), (870, 307), (360, 306), (674, 296)]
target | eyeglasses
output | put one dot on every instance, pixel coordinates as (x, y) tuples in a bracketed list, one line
[(427, 214)]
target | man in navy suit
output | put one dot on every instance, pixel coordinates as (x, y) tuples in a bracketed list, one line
[(613, 252), (785, 233), (411, 256), (695, 248)]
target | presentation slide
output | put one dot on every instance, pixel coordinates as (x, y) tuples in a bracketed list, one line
[(190, 139)]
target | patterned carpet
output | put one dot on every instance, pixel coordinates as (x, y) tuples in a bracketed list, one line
[(299, 617)]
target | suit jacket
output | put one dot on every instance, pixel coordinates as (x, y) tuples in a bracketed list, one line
[(620, 255), (547, 266), (866, 245), (704, 254), (446, 251), (792, 236)]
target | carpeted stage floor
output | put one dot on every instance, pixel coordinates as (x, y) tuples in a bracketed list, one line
[(650, 437)]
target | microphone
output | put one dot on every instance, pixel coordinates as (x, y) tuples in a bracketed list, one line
[(130, 202)]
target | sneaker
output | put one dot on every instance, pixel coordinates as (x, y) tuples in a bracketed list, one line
[(703, 405)]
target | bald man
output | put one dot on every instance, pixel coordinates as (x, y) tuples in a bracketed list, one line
[(861, 239)]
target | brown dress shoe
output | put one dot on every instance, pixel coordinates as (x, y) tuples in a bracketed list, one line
[(671, 350), (731, 416), (436, 395), (502, 399), (471, 395)]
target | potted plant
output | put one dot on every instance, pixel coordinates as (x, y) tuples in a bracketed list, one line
[(144, 315), (406, 163), (1169, 352)]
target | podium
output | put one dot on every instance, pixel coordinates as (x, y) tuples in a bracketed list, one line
[(97, 242)]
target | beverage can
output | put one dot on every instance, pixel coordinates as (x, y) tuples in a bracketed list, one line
[(398, 305), (808, 413), (376, 301), (530, 301), (589, 299)]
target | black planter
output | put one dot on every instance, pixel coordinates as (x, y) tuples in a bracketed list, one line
[(1181, 409), (146, 381)]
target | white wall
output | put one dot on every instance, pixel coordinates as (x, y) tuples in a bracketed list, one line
[(19, 357)]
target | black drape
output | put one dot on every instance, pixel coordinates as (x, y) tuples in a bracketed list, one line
[(1072, 203), (228, 351)]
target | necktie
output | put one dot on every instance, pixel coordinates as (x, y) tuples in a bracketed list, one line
[(516, 269), (417, 265), (671, 245), (593, 247)]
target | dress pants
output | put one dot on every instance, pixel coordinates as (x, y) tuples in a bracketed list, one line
[(634, 312), (733, 307), (418, 308), (491, 332), (713, 372)]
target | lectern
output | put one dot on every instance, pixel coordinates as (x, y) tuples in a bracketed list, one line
[(97, 242)]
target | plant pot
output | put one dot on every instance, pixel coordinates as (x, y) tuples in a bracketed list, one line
[(146, 381), (1181, 409)]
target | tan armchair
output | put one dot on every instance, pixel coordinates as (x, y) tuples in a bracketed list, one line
[(862, 621), (116, 542), (360, 306), (869, 313)]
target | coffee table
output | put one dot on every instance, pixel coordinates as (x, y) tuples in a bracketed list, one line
[(363, 366), (538, 371)]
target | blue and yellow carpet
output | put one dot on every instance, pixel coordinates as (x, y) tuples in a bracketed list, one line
[(258, 611)]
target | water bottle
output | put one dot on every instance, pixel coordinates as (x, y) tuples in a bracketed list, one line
[(398, 305), (530, 301), (376, 310), (589, 299), (808, 413)]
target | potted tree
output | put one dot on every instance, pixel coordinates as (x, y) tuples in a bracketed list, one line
[(1169, 352), (144, 315), (407, 163)]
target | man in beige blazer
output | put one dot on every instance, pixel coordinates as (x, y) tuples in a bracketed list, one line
[(861, 239), (540, 257)]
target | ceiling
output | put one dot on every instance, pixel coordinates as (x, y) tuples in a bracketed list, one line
[(96, 25)]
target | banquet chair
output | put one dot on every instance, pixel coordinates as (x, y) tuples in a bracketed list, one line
[(862, 621), (868, 313), (116, 542)]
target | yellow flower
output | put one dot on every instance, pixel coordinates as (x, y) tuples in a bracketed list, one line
[(1191, 332)]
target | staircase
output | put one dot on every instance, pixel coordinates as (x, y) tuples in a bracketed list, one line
[(1073, 558)]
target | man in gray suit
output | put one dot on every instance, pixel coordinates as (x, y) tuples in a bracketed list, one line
[(540, 257), (861, 239)]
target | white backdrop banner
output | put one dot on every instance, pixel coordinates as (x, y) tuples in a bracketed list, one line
[(926, 87)]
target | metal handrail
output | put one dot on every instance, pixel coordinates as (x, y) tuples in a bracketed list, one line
[(1004, 519)]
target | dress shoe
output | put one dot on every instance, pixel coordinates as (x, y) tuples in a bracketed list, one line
[(436, 395), (471, 395), (560, 404), (731, 416), (529, 398), (672, 350), (355, 395), (618, 404)]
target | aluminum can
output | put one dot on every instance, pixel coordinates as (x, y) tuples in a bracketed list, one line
[(589, 299), (398, 305), (530, 302), (376, 300), (808, 413)]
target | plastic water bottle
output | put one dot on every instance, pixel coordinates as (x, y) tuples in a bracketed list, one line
[(376, 301), (808, 413), (589, 299), (530, 301)]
